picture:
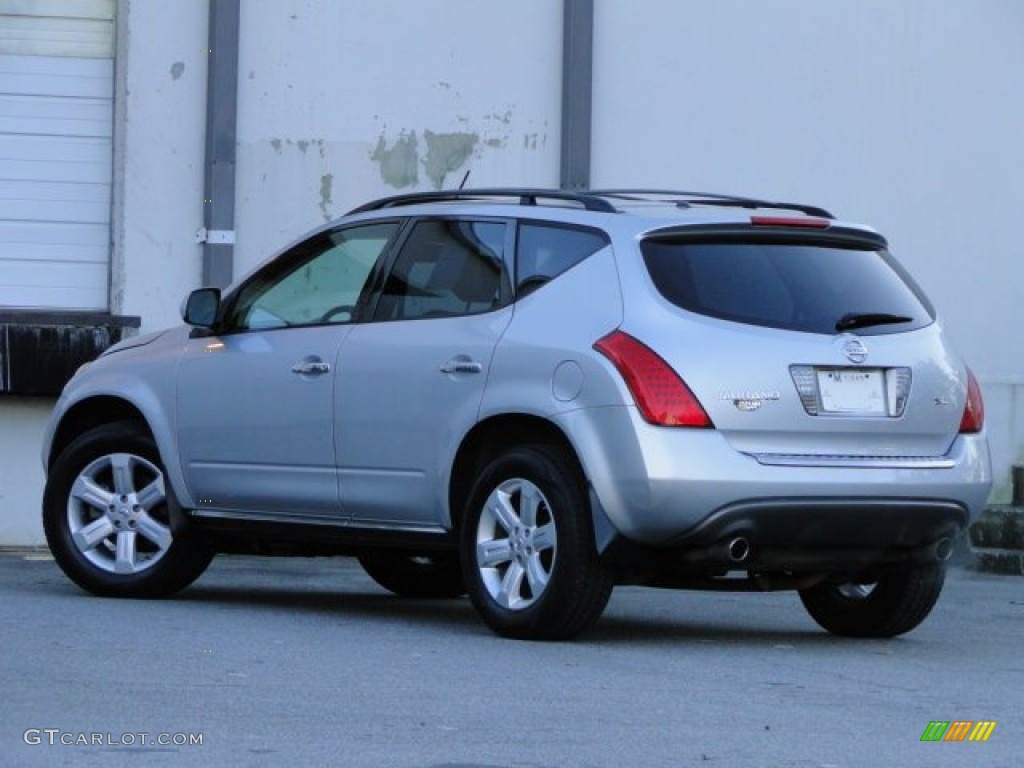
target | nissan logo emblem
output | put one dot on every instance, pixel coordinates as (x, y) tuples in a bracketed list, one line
[(855, 351)]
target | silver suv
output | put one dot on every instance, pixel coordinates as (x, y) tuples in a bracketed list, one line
[(530, 396)]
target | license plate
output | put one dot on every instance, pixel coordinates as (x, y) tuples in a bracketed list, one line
[(852, 390)]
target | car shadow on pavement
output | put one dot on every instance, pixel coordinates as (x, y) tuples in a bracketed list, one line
[(459, 615), (612, 630), (319, 600), (628, 621)]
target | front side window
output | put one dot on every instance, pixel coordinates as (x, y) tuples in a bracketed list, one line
[(318, 282), (447, 268), (798, 286)]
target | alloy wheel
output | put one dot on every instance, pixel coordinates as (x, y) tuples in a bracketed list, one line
[(516, 544), (117, 514)]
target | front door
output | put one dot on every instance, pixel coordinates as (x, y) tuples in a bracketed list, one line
[(256, 400)]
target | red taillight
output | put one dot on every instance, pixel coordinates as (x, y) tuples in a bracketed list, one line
[(662, 397), (974, 411), (790, 221)]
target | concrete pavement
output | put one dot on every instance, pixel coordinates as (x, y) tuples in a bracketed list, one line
[(307, 662)]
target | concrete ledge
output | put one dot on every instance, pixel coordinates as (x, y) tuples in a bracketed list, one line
[(1000, 561), (31, 553), (997, 539)]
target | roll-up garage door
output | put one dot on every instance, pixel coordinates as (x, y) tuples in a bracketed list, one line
[(56, 125)]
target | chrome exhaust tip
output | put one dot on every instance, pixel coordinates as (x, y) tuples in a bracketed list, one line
[(943, 549), (739, 549)]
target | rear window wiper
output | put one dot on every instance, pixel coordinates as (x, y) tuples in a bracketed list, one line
[(852, 320)]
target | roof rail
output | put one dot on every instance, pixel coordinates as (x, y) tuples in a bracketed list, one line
[(708, 198), (587, 200)]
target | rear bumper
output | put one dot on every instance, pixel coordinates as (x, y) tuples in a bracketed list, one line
[(814, 523), (677, 488), (797, 536)]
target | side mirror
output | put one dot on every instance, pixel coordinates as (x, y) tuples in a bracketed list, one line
[(202, 307)]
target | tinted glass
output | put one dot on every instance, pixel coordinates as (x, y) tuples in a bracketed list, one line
[(811, 288), (320, 281), (445, 269), (546, 251)]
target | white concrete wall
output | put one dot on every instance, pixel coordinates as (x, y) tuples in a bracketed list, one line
[(342, 101), (21, 473), (907, 116), (1004, 413), (159, 151), (160, 102), (903, 115)]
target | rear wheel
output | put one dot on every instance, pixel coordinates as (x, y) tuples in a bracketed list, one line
[(111, 519), (409, 575), (528, 553), (894, 604)]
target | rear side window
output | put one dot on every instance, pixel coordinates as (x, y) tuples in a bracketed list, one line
[(545, 251), (797, 286), (446, 268)]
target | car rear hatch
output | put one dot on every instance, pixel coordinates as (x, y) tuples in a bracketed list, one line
[(805, 342)]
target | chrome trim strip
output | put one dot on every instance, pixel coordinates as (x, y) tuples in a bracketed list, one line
[(858, 462), (269, 517), (307, 519)]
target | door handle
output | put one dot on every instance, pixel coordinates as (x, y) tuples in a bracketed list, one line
[(311, 367), (462, 366)]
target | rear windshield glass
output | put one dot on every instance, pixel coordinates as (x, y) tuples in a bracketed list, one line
[(802, 287)]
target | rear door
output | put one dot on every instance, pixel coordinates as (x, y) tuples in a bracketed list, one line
[(803, 343), (410, 381)]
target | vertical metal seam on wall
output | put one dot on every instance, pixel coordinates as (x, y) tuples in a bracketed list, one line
[(577, 92), (115, 266), (221, 122)]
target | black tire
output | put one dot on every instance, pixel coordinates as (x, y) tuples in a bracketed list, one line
[(111, 519), (435, 576), (542, 579), (897, 603)]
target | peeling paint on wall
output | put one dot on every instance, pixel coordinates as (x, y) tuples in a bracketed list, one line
[(302, 145), (177, 69), (504, 118), (399, 165), (326, 189), (447, 152)]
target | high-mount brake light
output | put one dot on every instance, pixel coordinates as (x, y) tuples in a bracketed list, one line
[(973, 419), (790, 221), (662, 397)]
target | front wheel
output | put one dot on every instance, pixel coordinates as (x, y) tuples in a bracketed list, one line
[(111, 519), (893, 605), (528, 555)]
